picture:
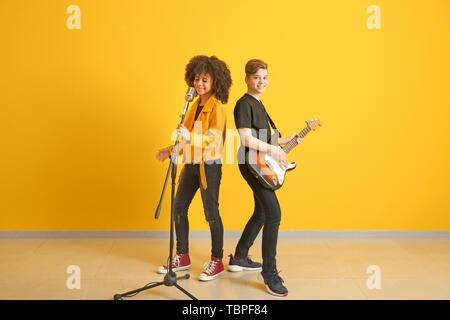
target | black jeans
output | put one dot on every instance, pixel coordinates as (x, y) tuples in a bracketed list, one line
[(267, 213), (190, 182)]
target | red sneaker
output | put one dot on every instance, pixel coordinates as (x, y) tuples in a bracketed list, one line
[(180, 262), (213, 269)]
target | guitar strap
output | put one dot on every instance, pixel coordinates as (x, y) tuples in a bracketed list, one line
[(272, 124)]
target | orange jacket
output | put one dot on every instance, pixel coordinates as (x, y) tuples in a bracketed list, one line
[(207, 135)]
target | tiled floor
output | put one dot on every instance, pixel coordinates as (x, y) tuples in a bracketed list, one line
[(311, 269)]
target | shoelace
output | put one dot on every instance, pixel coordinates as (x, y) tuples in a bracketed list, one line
[(209, 266), (175, 261), (248, 259), (275, 276)]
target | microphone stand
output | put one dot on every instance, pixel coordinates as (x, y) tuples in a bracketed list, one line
[(170, 279)]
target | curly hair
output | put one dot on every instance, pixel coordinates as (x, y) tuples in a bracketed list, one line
[(217, 69)]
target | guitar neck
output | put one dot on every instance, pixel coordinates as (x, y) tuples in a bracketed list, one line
[(293, 143)]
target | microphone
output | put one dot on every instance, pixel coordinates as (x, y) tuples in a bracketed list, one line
[(190, 94)]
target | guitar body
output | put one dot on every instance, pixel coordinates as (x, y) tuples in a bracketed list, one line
[(268, 172), (266, 169)]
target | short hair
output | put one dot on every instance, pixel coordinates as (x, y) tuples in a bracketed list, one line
[(254, 65), (217, 69)]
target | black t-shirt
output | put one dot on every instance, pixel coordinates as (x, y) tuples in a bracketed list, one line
[(199, 109), (250, 113)]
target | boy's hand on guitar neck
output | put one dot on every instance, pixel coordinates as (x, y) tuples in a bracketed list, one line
[(292, 136)]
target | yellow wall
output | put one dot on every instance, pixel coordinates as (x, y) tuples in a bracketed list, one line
[(81, 110)]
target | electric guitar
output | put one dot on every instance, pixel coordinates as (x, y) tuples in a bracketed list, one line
[(266, 169)]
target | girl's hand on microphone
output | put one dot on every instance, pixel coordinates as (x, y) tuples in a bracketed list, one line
[(184, 132)]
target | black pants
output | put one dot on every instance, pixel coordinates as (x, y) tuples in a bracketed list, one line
[(190, 182), (267, 213)]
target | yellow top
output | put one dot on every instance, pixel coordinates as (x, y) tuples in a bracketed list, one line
[(207, 135)]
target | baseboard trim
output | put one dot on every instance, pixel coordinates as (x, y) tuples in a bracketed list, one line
[(235, 234)]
